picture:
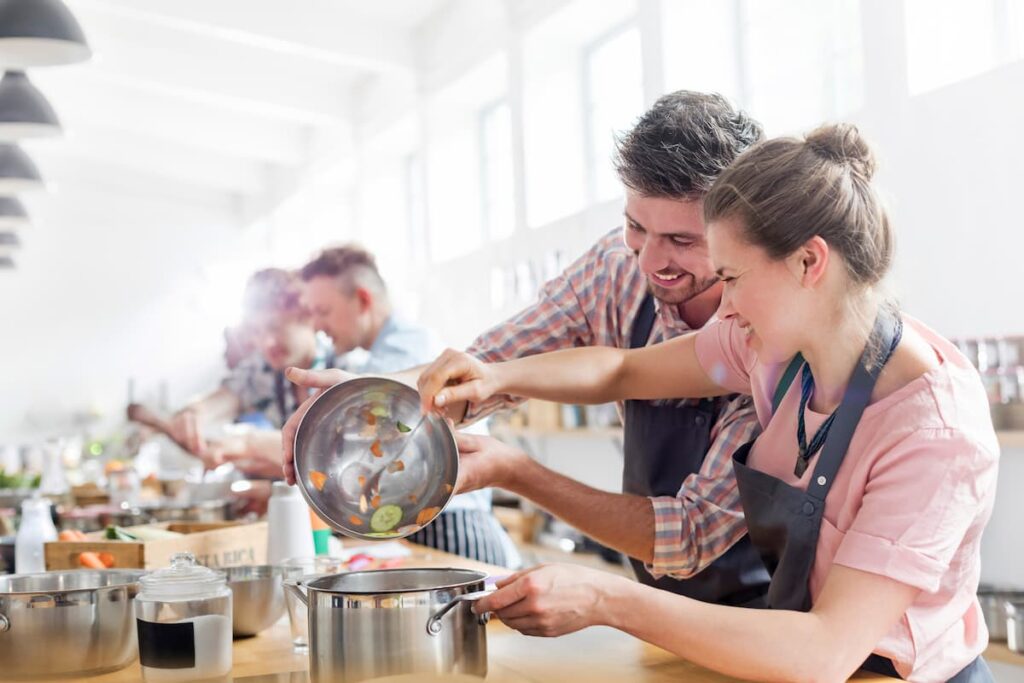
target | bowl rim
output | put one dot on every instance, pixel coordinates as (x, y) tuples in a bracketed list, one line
[(300, 437), (139, 573), (479, 577)]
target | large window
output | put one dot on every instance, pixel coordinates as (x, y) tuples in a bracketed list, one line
[(615, 98), (454, 184), (497, 176), (553, 104), (951, 40), (701, 47), (802, 62)]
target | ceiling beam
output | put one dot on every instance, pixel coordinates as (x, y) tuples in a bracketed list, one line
[(322, 31), (107, 183), (202, 69), (84, 102)]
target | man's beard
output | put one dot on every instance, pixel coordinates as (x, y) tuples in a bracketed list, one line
[(680, 294)]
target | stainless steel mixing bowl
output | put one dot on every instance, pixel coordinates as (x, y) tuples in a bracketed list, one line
[(258, 592), (367, 427)]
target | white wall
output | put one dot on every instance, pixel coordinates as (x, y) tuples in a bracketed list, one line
[(953, 168), (140, 305)]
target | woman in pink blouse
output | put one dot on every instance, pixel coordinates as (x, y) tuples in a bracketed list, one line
[(874, 476)]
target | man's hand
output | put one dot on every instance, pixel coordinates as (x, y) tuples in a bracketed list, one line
[(321, 380), (485, 461), (551, 600)]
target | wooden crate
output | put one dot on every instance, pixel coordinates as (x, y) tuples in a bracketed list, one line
[(218, 544)]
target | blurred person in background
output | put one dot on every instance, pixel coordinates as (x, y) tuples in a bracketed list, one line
[(349, 300), (279, 328)]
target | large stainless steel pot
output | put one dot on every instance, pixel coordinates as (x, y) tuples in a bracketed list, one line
[(69, 622), (393, 622)]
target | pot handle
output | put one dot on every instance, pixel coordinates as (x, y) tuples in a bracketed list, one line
[(434, 622), (292, 586), (5, 623)]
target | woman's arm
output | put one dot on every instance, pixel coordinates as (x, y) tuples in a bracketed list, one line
[(855, 610), (595, 374)]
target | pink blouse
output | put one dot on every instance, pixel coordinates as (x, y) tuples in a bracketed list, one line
[(910, 500)]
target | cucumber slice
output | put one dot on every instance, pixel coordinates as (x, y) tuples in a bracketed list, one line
[(386, 518), (382, 534)]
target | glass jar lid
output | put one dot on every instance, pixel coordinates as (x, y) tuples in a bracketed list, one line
[(183, 579)]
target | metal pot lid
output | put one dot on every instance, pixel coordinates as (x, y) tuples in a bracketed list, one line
[(368, 466), (68, 581), (183, 579), (395, 581)]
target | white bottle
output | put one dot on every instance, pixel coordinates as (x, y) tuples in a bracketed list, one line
[(36, 528), (290, 532)]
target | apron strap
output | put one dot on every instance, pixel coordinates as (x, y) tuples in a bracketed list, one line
[(643, 324), (848, 414), (787, 379)]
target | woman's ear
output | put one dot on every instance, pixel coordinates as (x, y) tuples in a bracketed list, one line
[(808, 263)]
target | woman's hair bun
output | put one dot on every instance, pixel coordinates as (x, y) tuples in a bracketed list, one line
[(842, 143)]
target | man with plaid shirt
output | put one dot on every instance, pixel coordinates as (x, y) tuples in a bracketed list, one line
[(679, 516)]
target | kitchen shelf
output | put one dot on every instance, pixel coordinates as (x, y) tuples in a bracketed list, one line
[(1011, 438), (560, 432)]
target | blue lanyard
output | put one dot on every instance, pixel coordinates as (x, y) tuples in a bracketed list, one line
[(807, 450)]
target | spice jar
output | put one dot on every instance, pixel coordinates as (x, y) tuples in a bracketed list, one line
[(183, 614)]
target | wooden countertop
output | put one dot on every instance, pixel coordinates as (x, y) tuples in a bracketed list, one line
[(597, 654)]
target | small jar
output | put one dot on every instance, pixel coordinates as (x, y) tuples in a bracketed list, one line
[(183, 614)]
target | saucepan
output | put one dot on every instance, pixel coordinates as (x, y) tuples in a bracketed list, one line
[(67, 622), (393, 622)]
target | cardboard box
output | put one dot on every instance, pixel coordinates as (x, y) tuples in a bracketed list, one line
[(219, 544)]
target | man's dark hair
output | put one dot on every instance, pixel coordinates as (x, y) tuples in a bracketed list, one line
[(350, 265), (679, 146)]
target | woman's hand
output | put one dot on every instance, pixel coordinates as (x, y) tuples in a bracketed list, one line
[(551, 600), (454, 377)]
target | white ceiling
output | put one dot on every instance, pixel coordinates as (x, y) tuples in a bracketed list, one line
[(222, 99), (194, 120)]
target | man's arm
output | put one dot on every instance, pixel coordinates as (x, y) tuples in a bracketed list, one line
[(620, 521), (678, 536)]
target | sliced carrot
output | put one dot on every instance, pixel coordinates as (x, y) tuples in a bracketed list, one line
[(426, 514), (448, 488), (375, 502), (318, 479), (91, 560), (355, 521), (376, 449), (72, 535), (362, 481), (396, 466), (107, 559), (412, 497)]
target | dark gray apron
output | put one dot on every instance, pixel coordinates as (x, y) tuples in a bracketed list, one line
[(663, 445), (784, 522)]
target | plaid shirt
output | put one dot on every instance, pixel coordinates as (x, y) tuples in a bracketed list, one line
[(594, 303)]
